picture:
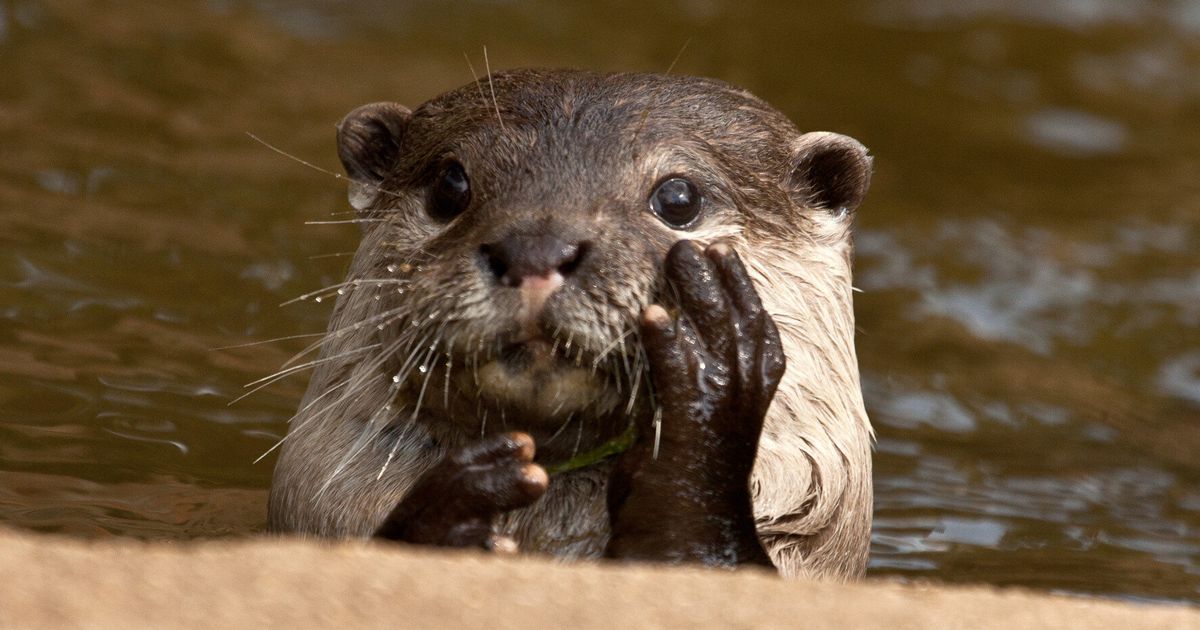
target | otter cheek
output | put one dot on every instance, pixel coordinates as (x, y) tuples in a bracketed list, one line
[(542, 395)]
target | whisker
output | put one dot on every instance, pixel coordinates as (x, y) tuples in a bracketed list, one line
[(446, 389), (333, 334), (346, 221), (283, 439), (355, 282), (633, 390), (474, 76), (295, 368), (657, 430), (424, 386), (319, 169), (266, 341), (295, 158), (371, 429), (354, 385), (578, 441), (314, 401), (282, 374), (333, 255), (678, 55), (560, 429), (492, 87), (612, 345)]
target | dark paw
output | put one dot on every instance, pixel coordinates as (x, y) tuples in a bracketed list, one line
[(456, 503), (716, 366), (682, 492)]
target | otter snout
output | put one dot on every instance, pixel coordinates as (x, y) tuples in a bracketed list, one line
[(536, 265), (516, 258)]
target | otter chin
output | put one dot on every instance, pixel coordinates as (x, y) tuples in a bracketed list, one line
[(544, 385), (645, 278)]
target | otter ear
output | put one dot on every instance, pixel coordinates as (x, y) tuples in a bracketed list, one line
[(369, 140), (830, 171)]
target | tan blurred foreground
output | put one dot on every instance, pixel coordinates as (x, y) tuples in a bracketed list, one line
[(58, 582)]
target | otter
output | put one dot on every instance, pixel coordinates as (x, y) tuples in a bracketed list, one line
[(592, 315)]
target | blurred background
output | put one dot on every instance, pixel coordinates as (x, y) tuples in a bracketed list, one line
[(1029, 254)]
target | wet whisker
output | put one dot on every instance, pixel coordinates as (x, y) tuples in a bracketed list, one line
[(266, 341), (267, 381)]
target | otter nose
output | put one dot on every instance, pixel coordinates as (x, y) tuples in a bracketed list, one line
[(515, 258)]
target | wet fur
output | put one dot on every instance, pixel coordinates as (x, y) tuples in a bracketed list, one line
[(578, 153)]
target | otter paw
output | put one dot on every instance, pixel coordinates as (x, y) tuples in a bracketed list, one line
[(456, 503), (683, 492), (715, 368)]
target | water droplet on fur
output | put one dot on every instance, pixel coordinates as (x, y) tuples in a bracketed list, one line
[(423, 369), (379, 327), (317, 299), (396, 379), (341, 292), (376, 297), (392, 268)]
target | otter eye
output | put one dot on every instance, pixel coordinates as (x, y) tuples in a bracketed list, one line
[(676, 201), (451, 193)]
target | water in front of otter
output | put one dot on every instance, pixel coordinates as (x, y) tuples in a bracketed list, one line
[(1027, 256)]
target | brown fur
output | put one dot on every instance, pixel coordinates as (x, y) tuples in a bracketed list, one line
[(577, 154)]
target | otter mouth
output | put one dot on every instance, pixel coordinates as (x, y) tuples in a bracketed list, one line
[(541, 385), (532, 353), (543, 378)]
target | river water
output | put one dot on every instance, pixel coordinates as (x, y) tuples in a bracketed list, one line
[(1029, 254)]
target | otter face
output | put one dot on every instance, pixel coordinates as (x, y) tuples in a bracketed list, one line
[(515, 231)]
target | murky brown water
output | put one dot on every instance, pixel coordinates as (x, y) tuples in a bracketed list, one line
[(1030, 252)]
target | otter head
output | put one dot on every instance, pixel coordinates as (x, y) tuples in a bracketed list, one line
[(514, 230)]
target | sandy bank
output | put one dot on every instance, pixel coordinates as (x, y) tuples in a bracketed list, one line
[(59, 582)]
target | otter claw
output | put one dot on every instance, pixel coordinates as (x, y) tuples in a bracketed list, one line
[(504, 545)]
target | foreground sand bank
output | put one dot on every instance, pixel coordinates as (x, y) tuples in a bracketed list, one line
[(59, 582)]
